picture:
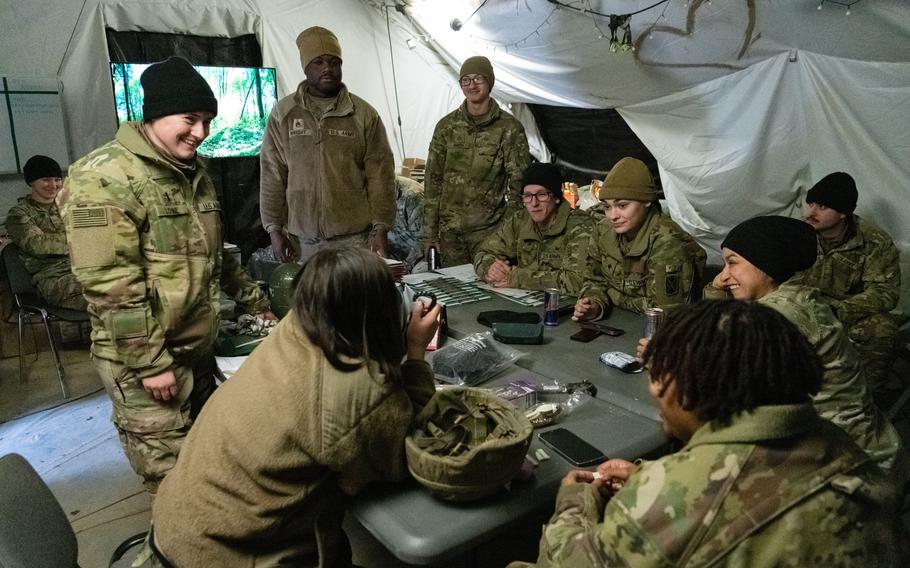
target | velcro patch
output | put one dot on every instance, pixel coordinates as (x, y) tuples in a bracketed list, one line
[(300, 132), (170, 210), (83, 217), (209, 206), (129, 323), (671, 284), (336, 132)]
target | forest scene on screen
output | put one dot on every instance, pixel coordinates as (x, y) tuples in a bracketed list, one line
[(245, 97)]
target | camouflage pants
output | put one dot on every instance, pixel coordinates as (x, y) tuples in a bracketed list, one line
[(459, 248), (310, 246), (875, 338), (61, 290), (152, 432)]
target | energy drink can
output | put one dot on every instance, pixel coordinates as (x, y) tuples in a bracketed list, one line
[(433, 260), (653, 319), (551, 306)]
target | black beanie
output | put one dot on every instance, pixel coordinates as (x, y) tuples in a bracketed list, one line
[(547, 175), (837, 191), (38, 167), (174, 87), (778, 246)]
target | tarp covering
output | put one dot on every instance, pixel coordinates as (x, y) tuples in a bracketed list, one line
[(737, 127)]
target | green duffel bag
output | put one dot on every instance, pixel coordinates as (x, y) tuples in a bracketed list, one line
[(467, 444)]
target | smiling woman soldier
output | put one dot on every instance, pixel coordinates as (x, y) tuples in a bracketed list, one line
[(144, 230)]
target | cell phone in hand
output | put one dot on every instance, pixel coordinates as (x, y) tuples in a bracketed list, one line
[(575, 450), (585, 334)]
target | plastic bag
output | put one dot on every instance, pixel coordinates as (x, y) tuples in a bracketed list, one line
[(551, 407), (473, 359)]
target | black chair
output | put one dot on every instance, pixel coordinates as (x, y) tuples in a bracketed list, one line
[(34, 530), (30, 303)]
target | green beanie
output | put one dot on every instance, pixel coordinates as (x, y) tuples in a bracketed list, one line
[(629, 179), (479, 65)]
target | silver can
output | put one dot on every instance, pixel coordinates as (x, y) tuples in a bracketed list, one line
[(653, 319), (551, 306), (433, 260)]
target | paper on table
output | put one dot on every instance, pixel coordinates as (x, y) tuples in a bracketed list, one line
[(508, 292), (463, 272), (419, 277)]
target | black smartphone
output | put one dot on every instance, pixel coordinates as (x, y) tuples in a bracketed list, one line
[(603, 328), (585, 334), (570, 446)]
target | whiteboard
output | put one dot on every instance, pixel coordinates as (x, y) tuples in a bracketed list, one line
[(31, 122)]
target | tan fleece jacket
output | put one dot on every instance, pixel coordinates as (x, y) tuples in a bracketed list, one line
[(258, 473)]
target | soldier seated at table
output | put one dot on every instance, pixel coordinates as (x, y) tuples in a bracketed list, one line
[(761, 475), (761, 256), (405, 237), (537, 247), (637, 258), (36, 227), (857, 272)]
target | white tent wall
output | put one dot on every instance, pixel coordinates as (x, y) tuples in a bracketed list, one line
[(69, 41)]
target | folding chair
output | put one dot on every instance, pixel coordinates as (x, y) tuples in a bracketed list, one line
[(34, 530), (30, 303)]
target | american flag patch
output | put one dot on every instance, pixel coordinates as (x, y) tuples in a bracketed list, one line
[(89, 217)]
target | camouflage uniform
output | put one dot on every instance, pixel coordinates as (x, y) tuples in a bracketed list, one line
[(843, 398), (540, 259), (37, 230), (473, 175), (860, 278), (778, 487), (404, 238), (658, 268), (145, 243)]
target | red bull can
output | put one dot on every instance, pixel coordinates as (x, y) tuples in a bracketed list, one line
[(551, 306), (653, 319)]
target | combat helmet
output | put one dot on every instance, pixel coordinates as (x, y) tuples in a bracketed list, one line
[(467, 443), (281, 287)]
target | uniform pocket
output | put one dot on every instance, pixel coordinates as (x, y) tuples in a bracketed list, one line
[(170, 228)]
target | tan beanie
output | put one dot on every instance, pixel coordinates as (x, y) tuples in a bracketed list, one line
[(479, 65), (629, 179), (315, 41)]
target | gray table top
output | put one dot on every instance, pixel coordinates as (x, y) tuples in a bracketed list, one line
[(622, 422), (562, 359), (421, 529)]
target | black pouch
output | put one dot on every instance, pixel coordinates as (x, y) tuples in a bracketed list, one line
[(518, 333), (488, 318)]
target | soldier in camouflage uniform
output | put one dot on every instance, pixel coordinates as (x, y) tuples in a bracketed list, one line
[(538, 246), (762, 480), (144, 227), (857, 271), (475, 162), (405, 236), (34, 224), (761, 255), (637, 257)]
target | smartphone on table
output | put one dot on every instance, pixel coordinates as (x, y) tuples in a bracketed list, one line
[(585, 334), (575, 450)]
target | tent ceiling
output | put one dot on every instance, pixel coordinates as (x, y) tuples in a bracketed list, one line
[(550, 53)]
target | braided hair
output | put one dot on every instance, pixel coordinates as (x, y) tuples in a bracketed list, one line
[(728, 357)]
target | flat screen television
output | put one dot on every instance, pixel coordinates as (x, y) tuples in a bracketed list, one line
[(245, 97)]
